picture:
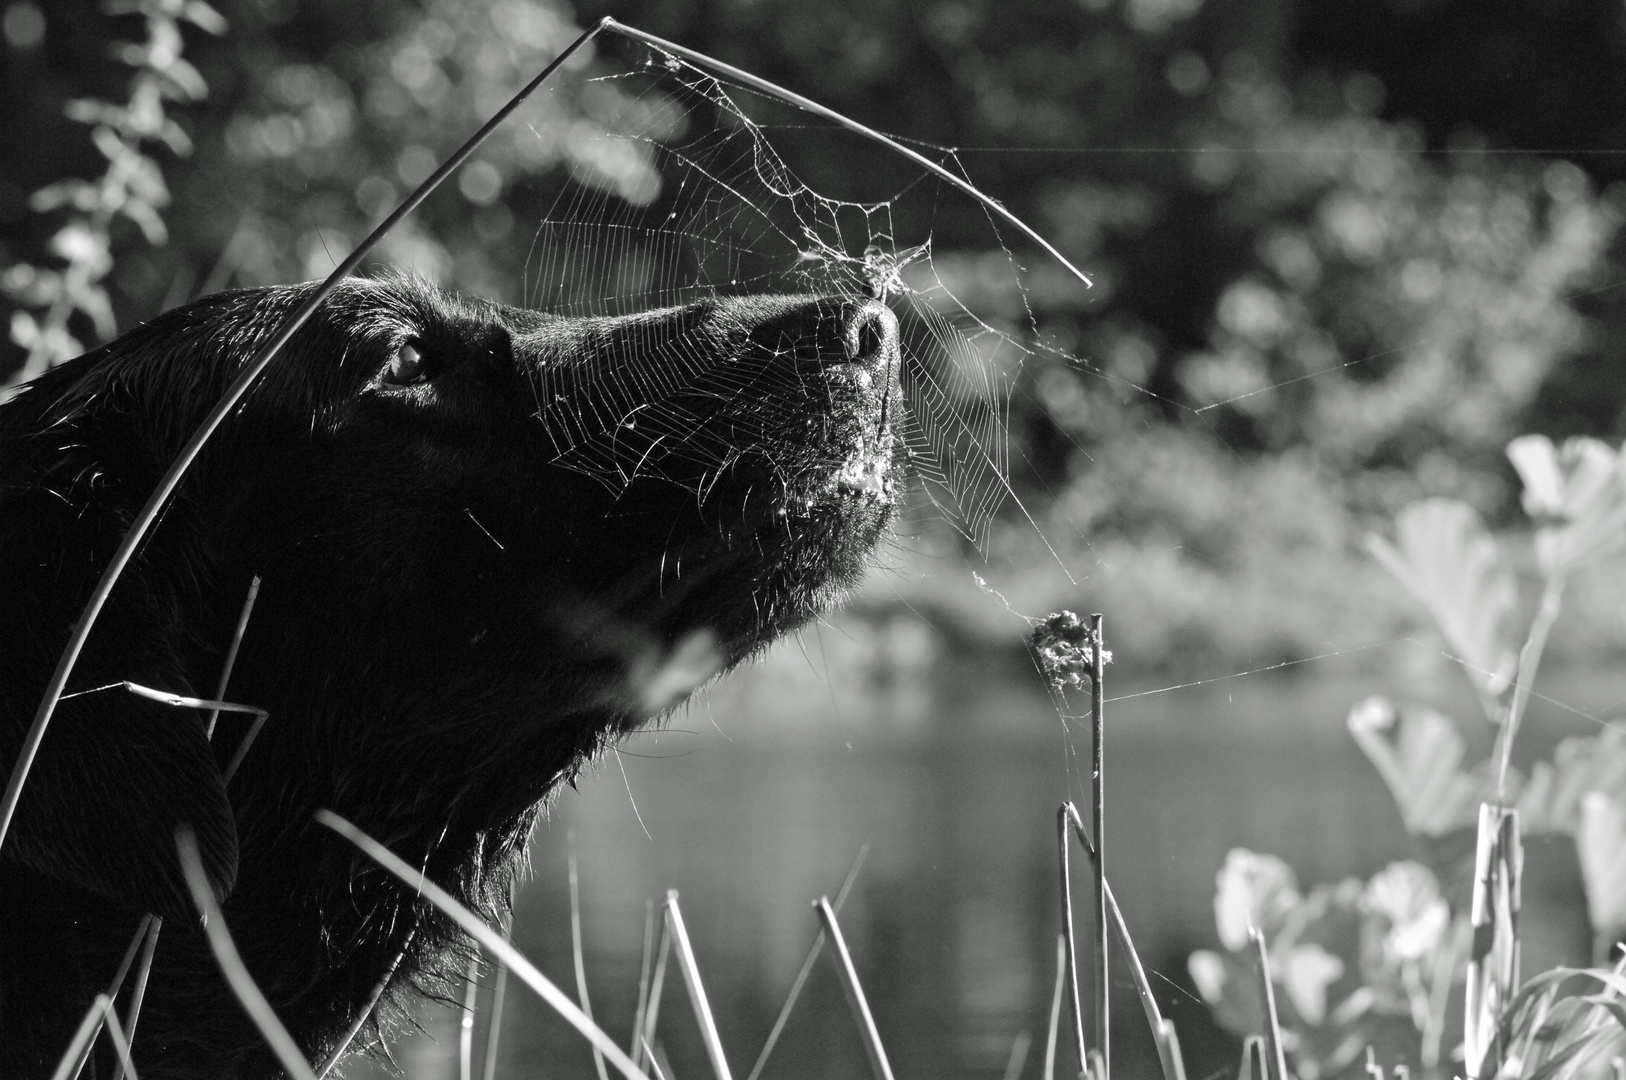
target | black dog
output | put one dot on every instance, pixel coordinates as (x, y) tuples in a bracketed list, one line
[(483, 533)]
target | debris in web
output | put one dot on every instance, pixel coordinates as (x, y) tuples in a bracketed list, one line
[(1065, 650)]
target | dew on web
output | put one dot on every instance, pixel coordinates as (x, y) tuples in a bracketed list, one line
[(686, 191)]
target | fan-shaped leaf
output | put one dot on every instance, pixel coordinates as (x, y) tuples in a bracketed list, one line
[(1446, 559)]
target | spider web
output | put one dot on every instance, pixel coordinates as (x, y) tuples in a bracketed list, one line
[(682, 194)]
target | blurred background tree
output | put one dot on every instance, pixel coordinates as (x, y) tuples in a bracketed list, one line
[(1342, 252)]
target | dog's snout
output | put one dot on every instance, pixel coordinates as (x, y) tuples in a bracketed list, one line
[(870, 333)]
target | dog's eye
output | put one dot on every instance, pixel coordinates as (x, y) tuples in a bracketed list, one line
[(406, 367)]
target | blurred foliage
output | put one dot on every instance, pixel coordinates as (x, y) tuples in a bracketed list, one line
[(1384, 963), (1333, 274)]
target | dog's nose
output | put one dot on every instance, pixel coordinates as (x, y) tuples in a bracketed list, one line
[(870, 333)]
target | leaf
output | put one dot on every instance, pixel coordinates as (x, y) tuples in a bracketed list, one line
[(1447, 560), (1252, 890), (202, 15), (1421, 764), (1578, 492), (1551, 801), (1306, 972)]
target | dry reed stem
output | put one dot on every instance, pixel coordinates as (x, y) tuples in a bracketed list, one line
[(465, 1020), (132, 1015), (1168, 1050), (1071, 967), (696, 988), (657, 984), (855, 991), (488, 938), (1019, 1055), (637, 1048), (94, 1019), (807, 965), (73, 1058), (650, 1056), (1267, 992), (576, 949), (1103, 984), (1255, 1059), (115, 1032), (100, 1014), (1168, 1044), (1055, 1009)]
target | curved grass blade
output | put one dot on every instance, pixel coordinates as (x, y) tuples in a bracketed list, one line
[(488, 938), (231, 964), (808, 105), (183, 461)]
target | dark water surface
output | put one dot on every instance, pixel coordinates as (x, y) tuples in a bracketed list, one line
[(759, 798)]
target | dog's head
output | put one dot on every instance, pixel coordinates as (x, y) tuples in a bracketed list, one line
[(489, 539)]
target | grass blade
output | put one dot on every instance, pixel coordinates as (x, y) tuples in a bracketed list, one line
[(101, 1013), (1019, 1056), (465, 1033), (1168, 1044), (231, 964), (488, 938), (1255, 1062), (1055, 1009), (855, 992), (697, 989), (132, 1015), (113, 987), (115, 1031), (1168, 1050), (231, 653), (657, 984), (644, 973), (373, 999), (216, 707), (654, 1060), (73, 1058), (499, 998), (1071, 966), (807, 965)]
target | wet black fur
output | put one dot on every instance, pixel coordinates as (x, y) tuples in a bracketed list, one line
[(466, 582)]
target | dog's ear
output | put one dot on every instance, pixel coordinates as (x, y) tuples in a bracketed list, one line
[(116, 775)]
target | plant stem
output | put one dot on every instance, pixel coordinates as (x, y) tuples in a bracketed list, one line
[(1103, 1034)]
